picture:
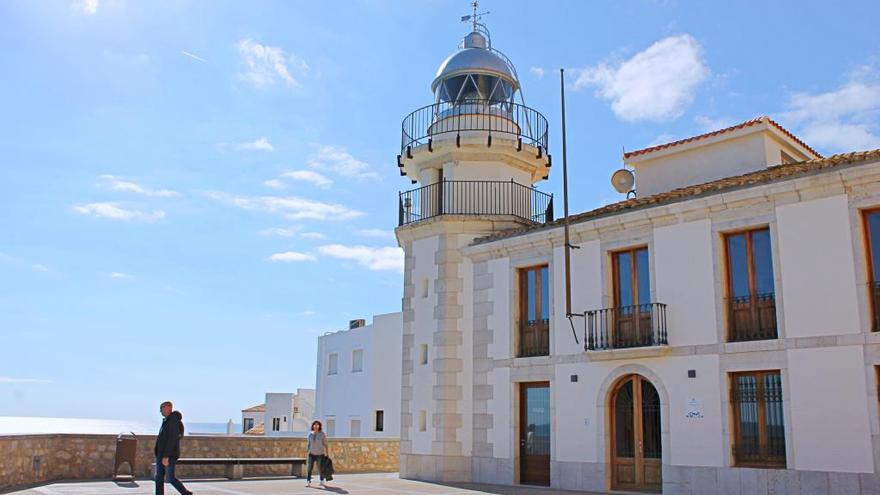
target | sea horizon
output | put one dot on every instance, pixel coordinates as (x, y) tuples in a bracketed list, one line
[(23, 425)]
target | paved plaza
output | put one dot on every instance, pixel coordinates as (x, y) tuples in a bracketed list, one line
[(374, 484)]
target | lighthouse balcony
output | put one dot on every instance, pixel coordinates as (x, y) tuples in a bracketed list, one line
[(475, 198), (454, 121)]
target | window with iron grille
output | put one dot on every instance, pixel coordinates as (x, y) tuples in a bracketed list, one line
[(534, 305), (751, 296), (758, 419)]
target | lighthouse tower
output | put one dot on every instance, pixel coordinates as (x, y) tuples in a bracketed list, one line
[(475, 154)]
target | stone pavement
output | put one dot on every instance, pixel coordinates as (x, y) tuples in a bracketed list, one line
[(373, 484)]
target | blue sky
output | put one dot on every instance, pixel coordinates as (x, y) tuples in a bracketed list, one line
[(191, 192)]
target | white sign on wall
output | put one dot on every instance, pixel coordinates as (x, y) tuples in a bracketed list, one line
[(693, 408)]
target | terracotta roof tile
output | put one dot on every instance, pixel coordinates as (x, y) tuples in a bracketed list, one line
[(742, 125), (257, 408), (256, 430), (760, 177)]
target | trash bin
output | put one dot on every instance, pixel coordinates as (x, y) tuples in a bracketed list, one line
[(126, 452)]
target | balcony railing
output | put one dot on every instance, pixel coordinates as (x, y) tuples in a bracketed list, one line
[(475, 198), (751, 317), (433, 121), (874, 292), (640, 325), (534, 338)]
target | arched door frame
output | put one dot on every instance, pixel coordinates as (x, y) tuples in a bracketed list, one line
[(604, 411)]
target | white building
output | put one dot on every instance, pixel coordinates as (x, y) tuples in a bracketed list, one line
[(726, 316), (358, 379), (283, 414)]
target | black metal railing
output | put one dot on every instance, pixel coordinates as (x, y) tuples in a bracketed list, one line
[(639, 325), (457, 197), (534, 338), (874, 294), (428, 122), (751, 317)]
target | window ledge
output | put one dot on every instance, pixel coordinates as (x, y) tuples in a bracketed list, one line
[(629, 353)]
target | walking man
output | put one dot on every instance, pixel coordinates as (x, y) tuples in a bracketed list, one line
[(167, 449), (317, 450)]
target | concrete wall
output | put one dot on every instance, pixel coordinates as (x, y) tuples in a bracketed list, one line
[(78, 457), (355, 396)]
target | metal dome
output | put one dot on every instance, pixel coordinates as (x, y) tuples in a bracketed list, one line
[(474, 61)]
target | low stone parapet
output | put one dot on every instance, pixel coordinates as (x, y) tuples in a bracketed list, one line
[(34, 459)]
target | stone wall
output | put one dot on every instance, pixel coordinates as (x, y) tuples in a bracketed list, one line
[(32, 459)]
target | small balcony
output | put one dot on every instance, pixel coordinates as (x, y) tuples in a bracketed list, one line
[(751, 317), (534, 338), (476, 198), (639, 325)]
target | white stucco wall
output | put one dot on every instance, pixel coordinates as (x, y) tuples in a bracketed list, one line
[(817, 266), (501, 433), (501, 321), (422, 379), (683, 277), (829, 410)]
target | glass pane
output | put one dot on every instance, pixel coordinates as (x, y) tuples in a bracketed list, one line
[(624, 279), (763, 261), (538, 421), (775, 424), (746, 404), (739, 266), (530, 295), (545, 293), (643, 274), (624, 440), (874, 235), (651, 421)]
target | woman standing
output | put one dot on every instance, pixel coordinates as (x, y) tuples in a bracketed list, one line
[(317, 450)]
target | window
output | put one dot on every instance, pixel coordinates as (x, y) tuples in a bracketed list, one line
[(330, 427), (423, 420), (534, 325), (872, 233), (751, 298), (357, 360), (758, 423), (423, 354), (247, 424), (332, 364), (276, 424), (424, 290), (631, 315), (355, 428), (380, 420)]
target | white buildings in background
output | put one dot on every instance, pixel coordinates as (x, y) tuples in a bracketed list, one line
[(358, 379), (283, 414), (726, 317)]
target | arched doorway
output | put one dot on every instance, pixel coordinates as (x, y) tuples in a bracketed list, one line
[(636, 448)]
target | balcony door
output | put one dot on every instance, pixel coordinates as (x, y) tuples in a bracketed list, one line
[(636, 448), (632, 298), (751, 304), (872, 232), (534, 331)]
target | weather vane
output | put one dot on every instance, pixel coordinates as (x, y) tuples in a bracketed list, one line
[(475, 16)]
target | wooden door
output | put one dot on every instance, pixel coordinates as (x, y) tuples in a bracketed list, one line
[(534, 436), (636, 450)]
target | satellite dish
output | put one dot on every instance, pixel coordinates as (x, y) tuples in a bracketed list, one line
[(623, 180)]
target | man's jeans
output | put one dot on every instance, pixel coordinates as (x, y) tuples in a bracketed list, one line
[(172, 478)]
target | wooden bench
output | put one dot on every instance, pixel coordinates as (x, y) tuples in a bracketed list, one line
[(235, 465)]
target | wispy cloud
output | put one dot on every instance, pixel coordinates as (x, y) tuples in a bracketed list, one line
[(376, 233), (709, 124), (9, 379), (657, 84), (338, 160), (259, 144), (307, 312), (843, 119), (119, 276), (40, 267), (290, 257), (193, 56), (308, 176), (275, 184), (383, 258), (265, 65), (537, 72), (291, 207), (115, 183), (115, 212), (313, 235), (279, 232), (87, 7)]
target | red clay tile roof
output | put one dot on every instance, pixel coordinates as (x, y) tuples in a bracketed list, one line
[(257, 408), (766, 176), (256, 430), (748, 123)]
